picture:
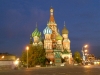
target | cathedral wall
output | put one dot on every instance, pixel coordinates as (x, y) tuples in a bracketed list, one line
[(48, 36), (48, 44), (36, 39), (65, 36), (65, 56), (66, 45), (59, 42)]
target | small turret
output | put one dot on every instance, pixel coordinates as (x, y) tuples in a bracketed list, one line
[(47, 30), (36, 33), (65, 31)]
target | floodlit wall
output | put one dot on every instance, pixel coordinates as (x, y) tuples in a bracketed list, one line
[(6, 62), (7, 57), (7, 65)]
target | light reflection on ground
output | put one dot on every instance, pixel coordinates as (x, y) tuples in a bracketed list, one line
[(87, 66)]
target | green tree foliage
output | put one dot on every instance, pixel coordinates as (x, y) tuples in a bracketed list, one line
[(77, 57), (23, 58), (36, 55)]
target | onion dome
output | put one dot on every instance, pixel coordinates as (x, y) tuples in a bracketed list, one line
[(64, 31), (36, 33), (59, 37), (47, 30)]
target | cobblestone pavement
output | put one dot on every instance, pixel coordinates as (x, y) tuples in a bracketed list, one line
[(65, 70)]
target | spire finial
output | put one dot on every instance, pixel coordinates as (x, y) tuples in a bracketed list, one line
[(51, 10), (64, 23), (51, 5), (36, 24)]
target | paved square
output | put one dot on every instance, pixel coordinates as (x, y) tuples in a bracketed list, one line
[(66, 70)]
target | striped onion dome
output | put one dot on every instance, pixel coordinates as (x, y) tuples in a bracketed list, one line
[(47, 30), (59, 37), (36, 33)]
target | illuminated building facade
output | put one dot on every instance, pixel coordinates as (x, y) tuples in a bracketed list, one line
[(56, 45)]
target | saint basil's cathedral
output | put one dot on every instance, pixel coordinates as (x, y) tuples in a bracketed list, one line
[(56, 45)]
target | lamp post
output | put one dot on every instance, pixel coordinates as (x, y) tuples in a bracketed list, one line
[(27, 48), (84, 53)]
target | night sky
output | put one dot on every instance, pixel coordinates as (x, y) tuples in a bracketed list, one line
[(18, 20)]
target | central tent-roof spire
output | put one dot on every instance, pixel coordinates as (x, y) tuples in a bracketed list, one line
[(51, 15)]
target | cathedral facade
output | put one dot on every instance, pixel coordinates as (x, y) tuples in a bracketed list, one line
[(56, 45)]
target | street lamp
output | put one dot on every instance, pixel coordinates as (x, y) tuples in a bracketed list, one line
[(86, 46), (84, 53), (2, 57), (27, 48)]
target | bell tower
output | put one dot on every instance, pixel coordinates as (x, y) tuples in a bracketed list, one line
[(53, 26)]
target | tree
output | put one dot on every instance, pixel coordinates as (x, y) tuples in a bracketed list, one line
[(77, 57), (36, 55), (39, 55), (23, 58)]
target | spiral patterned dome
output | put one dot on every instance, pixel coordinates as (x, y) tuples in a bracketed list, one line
[(47, 30), (59, 37), (36, 33)]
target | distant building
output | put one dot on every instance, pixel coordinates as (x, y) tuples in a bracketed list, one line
[(7, 56), (90, 59), (56, 45), (7, 61)]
